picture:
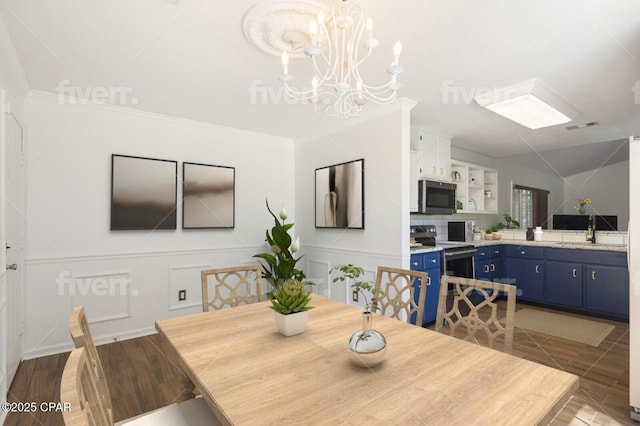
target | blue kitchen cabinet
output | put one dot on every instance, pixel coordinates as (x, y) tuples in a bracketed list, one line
[(489, 263), (430, 263), (563, 284), (525, 270), (593, 281), (607, 289)]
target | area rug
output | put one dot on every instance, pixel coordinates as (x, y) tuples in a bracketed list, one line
[(563, 326)]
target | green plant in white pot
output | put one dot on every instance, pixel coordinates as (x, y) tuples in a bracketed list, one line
[(291, 303)]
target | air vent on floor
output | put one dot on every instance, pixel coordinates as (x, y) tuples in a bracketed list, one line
[(582, 126)]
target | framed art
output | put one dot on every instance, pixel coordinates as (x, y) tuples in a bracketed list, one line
[(143, 193), (208, 196), (340, 195)]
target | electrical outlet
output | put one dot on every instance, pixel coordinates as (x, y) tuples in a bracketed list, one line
[(354, 295), (182, 295)]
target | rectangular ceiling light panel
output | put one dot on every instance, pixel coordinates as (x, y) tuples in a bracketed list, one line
[(528, 104)]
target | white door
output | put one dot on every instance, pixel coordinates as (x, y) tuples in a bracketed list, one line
[(11, 235), (633, 251)]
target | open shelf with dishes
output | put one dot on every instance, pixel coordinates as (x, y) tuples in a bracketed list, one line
[(476, 188)]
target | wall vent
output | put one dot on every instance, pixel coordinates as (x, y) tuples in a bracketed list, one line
[(583, 125)]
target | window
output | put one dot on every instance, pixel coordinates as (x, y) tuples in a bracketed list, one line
[(529, 206)]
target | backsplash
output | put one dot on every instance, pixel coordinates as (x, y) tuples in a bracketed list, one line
[(603, 237)]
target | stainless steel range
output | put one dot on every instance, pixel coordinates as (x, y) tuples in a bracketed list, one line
[(457, 257)]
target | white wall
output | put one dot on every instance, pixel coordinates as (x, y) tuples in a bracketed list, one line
[(68, 210), (12, 78), (608, 189), (384, 144)]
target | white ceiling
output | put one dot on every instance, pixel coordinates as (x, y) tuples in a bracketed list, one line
[(189, 58)]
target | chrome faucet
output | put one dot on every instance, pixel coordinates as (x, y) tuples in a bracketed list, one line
[(591, 230)]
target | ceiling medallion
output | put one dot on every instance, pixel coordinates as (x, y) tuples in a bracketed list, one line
[(277, 26)]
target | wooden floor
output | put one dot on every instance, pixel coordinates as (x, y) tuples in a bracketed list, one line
[(142, 377)]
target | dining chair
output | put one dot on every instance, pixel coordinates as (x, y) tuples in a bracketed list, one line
[(468, 308), (398, 299), (85, 386), (80, 388), (231, 286)]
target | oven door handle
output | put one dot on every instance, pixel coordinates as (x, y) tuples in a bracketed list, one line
[(459, 253)]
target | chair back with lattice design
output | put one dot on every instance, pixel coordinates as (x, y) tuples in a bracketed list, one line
[(82, 338), (231, 286), (473, 311), (403, 293), (80, 387)]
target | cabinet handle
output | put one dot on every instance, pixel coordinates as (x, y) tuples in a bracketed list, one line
[(434, 170), (428, 280), (486, 268), (537, 269), (493, 267), (441, 171), (523, 252), (496, 252), (482, 254), (593, 275), (433, 261), (414, 263), (574, 273)]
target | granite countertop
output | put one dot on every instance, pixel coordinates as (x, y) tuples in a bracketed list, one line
[(553, 244)]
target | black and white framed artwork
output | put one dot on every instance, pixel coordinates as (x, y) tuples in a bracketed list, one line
[(340, 195), (143, 193), (208, 196)]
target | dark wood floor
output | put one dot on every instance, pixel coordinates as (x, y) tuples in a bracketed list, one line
[(143, 375)]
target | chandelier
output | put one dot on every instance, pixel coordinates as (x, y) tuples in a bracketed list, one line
[(339, 43)]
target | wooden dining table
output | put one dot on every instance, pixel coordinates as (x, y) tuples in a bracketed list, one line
[(249, 374)]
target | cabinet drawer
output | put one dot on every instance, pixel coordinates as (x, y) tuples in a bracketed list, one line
[(525, 252), (488, 252), (603, 257), (423, 261)]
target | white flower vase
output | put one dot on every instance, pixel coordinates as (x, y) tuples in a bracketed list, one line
[(292, 324)]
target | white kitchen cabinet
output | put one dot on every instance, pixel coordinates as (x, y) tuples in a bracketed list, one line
[(413, 173), (434, 155), (476, 188)]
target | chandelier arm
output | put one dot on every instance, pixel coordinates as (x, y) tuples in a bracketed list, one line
[(382, 88), (297, 94), (323, 77)]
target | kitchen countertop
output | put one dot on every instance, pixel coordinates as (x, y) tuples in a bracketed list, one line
[(552, 244)]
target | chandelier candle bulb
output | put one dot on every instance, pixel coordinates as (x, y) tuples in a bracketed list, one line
[(397, 49), (285, 63), (369, 28), (313, 28)]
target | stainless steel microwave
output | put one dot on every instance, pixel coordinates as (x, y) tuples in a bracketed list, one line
[(436, 197)]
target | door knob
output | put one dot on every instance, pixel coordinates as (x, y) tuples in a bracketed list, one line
[(13, 266)]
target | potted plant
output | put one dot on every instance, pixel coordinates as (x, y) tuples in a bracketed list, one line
[(280, 264), (366, 346), (290, 301), (511, 222), (488, 234)]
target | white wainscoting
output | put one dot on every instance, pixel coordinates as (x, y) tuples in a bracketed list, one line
[(106, 295), (145, 289), (187, 278)]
